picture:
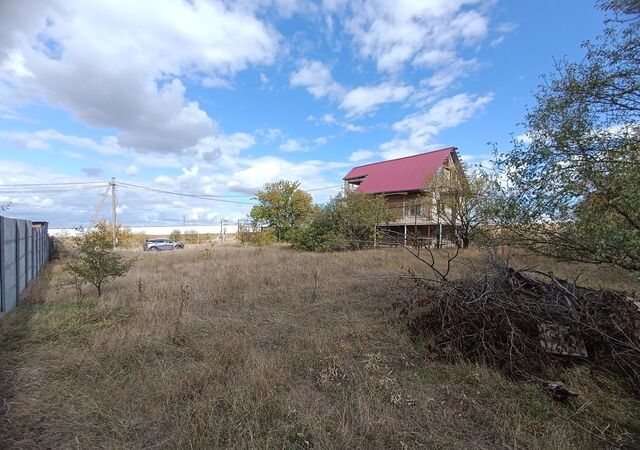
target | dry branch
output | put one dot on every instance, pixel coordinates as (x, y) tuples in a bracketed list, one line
[(526, 324)]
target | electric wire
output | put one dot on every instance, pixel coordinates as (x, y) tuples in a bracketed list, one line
[(47, 190), (199, 196), (323, 188), (51, 184)]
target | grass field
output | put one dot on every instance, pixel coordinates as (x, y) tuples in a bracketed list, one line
[(243, 347)]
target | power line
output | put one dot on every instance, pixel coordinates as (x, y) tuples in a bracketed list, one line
[(323, 188), (48, 190), (53, 184), (86, 183), (199, 196)]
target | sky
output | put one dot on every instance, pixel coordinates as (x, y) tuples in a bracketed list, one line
[(218, 98)]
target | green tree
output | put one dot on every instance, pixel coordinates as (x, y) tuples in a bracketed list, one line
[(282, 206), (347, 222), (175, 235), (97, 262), (572, 184)]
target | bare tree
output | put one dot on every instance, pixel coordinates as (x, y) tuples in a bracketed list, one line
[(462, 196)]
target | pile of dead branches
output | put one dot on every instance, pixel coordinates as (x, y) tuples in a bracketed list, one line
[(528, 323)]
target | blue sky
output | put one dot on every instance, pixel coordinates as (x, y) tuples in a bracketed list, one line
[(219, 98)]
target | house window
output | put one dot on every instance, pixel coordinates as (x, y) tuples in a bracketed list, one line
[(415, 210)]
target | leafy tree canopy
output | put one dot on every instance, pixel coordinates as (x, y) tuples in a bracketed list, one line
[(573, 181), (282, 206)]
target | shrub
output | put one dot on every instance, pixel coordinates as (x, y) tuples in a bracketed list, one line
[(175, 235), (347, 222), (97, 262), (262, 238), (124, 236)]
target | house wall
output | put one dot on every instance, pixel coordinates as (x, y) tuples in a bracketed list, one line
[(402, 207)]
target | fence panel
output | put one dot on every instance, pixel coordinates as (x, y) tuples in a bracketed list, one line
[(24, 250), (21, 253), (8, 266), (29, 254)]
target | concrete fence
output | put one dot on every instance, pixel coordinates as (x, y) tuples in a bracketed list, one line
[(24, 250)]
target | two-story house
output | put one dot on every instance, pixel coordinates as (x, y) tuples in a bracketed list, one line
[(418, 214)]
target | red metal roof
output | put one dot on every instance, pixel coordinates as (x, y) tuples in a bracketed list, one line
[(410, 173)]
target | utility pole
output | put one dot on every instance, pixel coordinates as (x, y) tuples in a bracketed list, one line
[(221, 237), (113, 211)]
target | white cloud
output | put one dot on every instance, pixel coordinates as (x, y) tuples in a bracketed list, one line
[(497, 41), (7, 113), (504, 28), (215, 81), (221, 149), (231, 171), (283, 8), (43, 139), (74, 155), (316, 78), (392, 33), (333, 5), (131, 81), (218, 150), (325, 119), (361, 155), (328, 118), (434, 58), (416, 131), (131, 170), (366, 99), (507, 27), (271, 134), (322, 140), (267, 169), (445, 76), (428, 34), (353, 127), (92, 171), (294, 145), (60, 206)]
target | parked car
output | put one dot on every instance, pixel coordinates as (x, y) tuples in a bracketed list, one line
[(154, 245)]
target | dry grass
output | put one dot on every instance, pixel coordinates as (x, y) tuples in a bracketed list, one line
[(245, 347)]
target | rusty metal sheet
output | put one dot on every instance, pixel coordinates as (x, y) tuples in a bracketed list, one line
[(559, 340)]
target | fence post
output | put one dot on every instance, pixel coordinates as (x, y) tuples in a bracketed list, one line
[(2, 280), (375, 236), (17, 259), (28, 252)]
